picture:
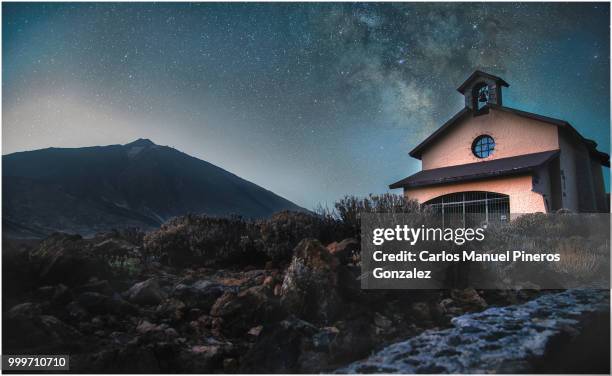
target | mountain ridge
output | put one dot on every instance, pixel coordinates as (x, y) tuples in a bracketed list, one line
[(139, 184)]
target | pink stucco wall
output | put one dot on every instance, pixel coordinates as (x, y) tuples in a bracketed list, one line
[(522, 198), (513, 135)]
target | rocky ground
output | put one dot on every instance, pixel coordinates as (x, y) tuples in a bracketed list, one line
[(547, 334), (126, 302)]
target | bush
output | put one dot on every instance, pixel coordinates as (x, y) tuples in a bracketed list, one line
[(201, 240), (68, 259), (581, 240), (349, 209), (284, 230)]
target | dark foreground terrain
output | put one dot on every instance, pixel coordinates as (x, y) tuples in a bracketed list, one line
[(204, 295)]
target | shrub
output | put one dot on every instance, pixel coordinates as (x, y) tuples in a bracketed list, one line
[(581, 240), (349, 209), (201, 240), (284, 230)]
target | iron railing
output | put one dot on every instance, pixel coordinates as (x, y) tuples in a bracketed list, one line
[(471, 208)]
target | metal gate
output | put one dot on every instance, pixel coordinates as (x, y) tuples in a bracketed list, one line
[(471, 208)]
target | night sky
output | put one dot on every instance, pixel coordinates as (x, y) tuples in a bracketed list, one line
[(312, 101)]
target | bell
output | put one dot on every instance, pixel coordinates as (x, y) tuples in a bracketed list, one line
[(482, 97)]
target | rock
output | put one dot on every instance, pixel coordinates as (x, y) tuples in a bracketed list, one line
[(268, 281), (446, 303), (96, 303), (171, 332), (509, 339), (344, 250), (98, 286), (211, 350), (324, 338), (215, 325), (278, 347), (449, 307), (230, 365), (120, 338), (420, 311), (129, 358), (201, 294), (278, 289), (310, 286), (75, 311), (202, 358), (468, 298), (61, 295), (255, 331), (172, 309), (97, 322), (146, 293), (381, 321), (349, 287), (45, 292), (240, 311), (67, 259), (146, 327), (114, 248), (355, 339), (27, 332), (311, 361), (24, 310)]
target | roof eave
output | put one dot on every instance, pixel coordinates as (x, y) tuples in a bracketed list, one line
[(508, 172), (522, 171), (466, 83)]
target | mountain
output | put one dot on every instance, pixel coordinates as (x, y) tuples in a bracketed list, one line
[(92, 189)]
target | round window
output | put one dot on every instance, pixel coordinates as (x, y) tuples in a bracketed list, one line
[(483, 146)]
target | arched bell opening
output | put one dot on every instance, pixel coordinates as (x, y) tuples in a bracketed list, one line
[(481, 96)]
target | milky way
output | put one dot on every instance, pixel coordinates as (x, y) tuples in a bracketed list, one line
[(312, 101)]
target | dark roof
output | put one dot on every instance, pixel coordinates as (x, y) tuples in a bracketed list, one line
[(592, 145), (473, 171), (477, 74)]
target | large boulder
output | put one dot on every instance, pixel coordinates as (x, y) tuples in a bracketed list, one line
[(146, 293), (67, 259), (310, 287)]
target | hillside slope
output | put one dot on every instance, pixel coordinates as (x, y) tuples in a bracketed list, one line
[(91, 189)]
